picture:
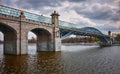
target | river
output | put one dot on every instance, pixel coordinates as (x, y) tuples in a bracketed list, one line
[(71, 60)]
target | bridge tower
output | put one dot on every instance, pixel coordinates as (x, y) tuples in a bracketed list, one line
[(109, 33), (56, 31), (111, 39), (23, 44)]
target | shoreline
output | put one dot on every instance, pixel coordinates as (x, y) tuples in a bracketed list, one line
[(81, 44)]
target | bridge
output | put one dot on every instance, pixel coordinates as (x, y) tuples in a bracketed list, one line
[(15, 25), (86, 31)]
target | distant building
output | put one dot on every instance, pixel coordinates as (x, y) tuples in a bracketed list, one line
[(116, 37)]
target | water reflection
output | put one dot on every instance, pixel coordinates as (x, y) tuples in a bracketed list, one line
[(32, 50), (13, 65), (45, 63), (71, 60)]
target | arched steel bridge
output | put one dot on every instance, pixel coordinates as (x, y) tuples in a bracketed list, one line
[(86, 31)]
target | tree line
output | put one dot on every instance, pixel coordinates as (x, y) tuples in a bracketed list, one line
[(78, 40), (75, 39)]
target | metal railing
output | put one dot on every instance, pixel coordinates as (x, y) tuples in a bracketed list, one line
[(16, 12)]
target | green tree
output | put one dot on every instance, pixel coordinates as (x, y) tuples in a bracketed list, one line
[(118, 37), (95, 39)]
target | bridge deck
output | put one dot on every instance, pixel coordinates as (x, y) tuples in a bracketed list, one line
[(32, 16)]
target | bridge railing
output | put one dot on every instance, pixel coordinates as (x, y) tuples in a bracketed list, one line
[(11, 13), (16, 12), (37, 22), (4, 16), (31, 16)]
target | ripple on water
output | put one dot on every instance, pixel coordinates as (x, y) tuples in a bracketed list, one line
[(71, 60)]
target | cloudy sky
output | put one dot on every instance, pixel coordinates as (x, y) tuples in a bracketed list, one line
[(101, 14)]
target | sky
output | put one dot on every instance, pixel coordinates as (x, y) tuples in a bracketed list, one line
[(101, 14)]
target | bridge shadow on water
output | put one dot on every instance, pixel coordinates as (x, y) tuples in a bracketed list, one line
[(33, 63)]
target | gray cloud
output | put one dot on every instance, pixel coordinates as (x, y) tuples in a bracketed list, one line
[(37, 4), (77, 0), (100, 11), (41, 6), (109, 28), (2, 1)]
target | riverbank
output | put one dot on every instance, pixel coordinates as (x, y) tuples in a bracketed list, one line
[(81, 44)]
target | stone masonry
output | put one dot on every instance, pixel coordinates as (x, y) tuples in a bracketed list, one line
[(15, 30)]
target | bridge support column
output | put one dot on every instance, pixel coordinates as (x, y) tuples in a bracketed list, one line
[(105, 42), (43, 43), (56, 43), (10, 45), (56, 32), (23, 42), (23, 35)]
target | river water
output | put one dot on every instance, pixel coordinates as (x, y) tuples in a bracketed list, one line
[(71, 60)]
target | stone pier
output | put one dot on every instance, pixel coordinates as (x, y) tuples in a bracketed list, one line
[(15, 31)]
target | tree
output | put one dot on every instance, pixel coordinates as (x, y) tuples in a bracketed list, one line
[(96, 39), (33, 40), (118, 37)]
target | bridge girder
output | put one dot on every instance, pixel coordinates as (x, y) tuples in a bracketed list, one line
[(87, 31)]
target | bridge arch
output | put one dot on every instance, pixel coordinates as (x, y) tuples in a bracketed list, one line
[(10, 39), (43, 39), (92, 29), (87, 31)]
